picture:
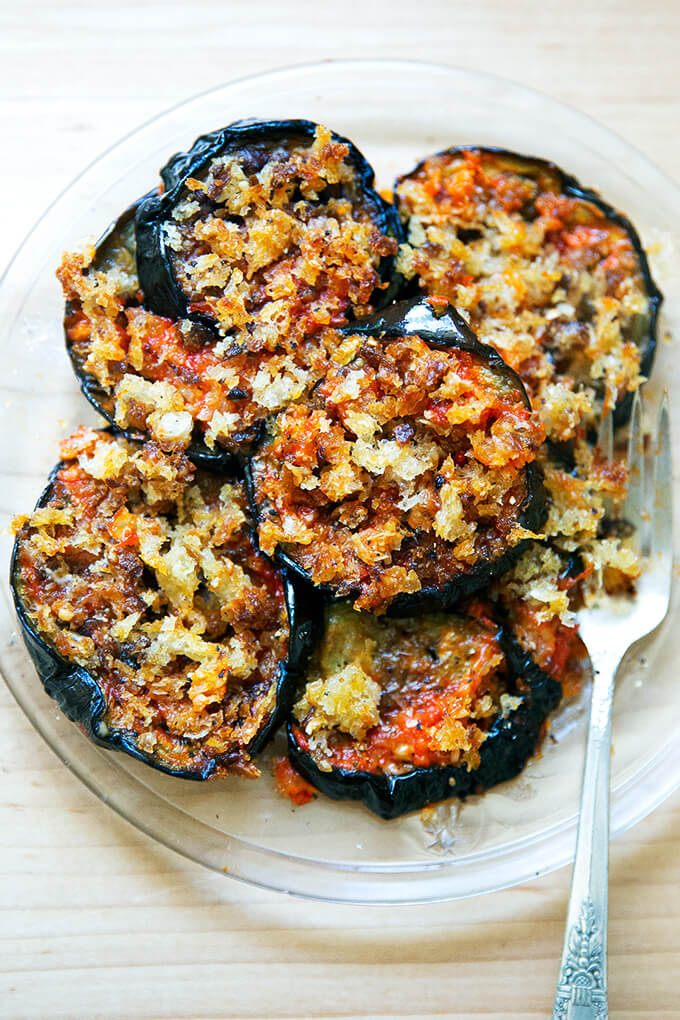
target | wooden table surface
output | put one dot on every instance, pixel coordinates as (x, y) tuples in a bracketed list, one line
[(96, 921)]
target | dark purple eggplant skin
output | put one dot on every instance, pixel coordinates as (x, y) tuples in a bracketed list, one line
[(442, 328), (79, 696), (98, 397), (162, 291), (646, 338), (511, 742)]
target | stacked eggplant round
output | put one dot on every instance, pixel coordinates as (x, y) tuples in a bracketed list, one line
[(410, 711), (348, 481), (152, 617), (544, 270), (408, 479)]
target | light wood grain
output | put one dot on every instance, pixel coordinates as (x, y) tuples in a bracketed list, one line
[(95, 920)]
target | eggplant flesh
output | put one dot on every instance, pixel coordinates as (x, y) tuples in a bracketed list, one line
[(438, 327), (642, 329), (79, 694), (163, 292), (511, 741)]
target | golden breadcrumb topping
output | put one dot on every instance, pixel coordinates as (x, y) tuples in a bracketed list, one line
[(405, 468), (275, 242), (546, 278)]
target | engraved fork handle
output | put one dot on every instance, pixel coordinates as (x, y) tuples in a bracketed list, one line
[(582, 984)]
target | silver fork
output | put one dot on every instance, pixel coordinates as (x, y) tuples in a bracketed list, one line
[(608, 631)]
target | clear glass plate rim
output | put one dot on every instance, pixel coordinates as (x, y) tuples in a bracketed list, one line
[(478, 856), (358, 872), (339, 62)]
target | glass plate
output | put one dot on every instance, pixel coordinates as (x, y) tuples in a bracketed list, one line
[(396, 112)]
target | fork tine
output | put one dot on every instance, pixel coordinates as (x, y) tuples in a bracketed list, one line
[(605, 437), (661, 549), (632, 509)]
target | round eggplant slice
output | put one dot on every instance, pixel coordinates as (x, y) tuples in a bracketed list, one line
[(309, 261), (546, 271), (402, 713), (151, 617), (269, 230), (407, 480)]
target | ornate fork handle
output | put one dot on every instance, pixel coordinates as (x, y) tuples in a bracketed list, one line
[(582, 983)]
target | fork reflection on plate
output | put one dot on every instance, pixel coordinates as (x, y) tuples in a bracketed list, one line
[(609, 629)]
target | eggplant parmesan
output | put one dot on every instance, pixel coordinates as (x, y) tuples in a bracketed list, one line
[(211, 312), (401, 713), (544, 270), (407, 477), (151, 616), (270, 231)]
